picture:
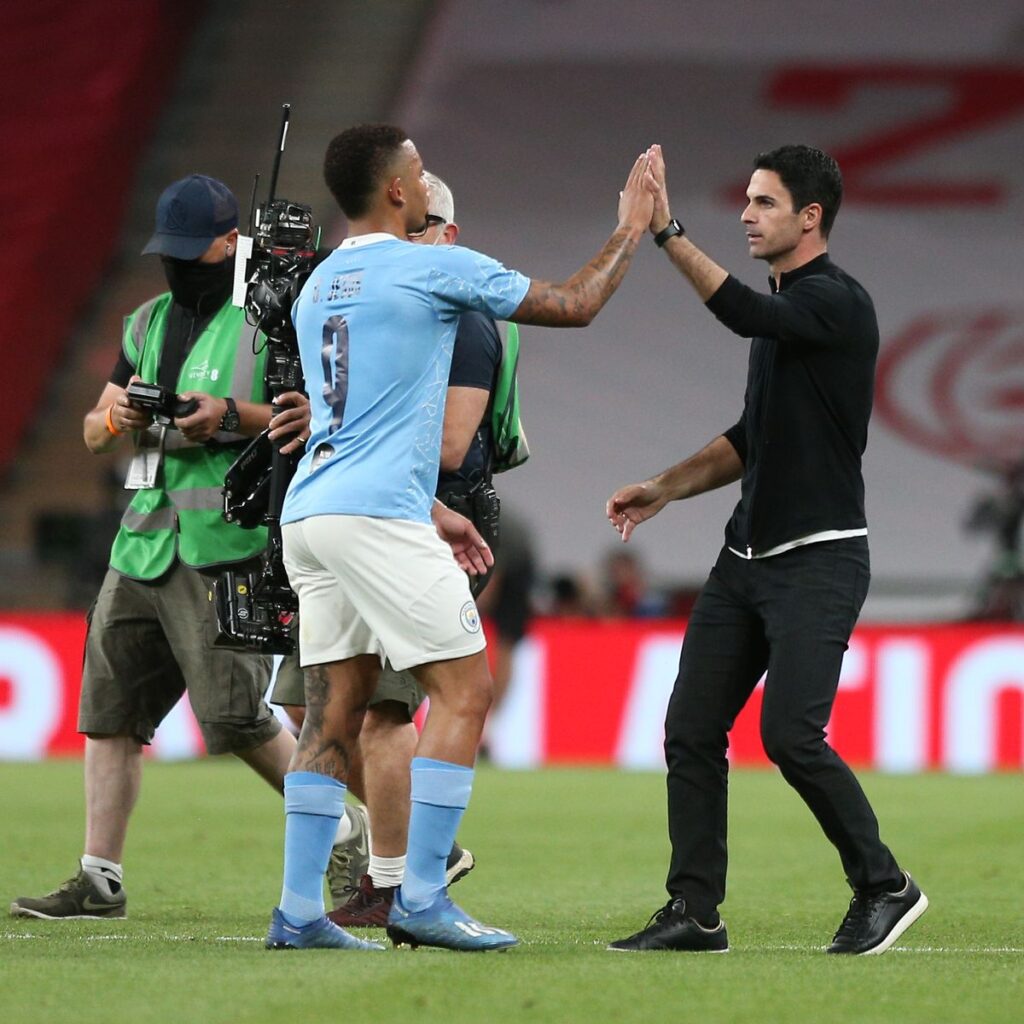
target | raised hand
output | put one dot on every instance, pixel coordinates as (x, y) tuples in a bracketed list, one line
[(636, 200), (662, 214)]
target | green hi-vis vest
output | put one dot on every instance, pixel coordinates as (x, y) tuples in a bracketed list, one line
[(508, 439), (181, 515)]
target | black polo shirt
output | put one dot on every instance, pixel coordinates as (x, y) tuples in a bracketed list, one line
[(810, 387), (476, 356)]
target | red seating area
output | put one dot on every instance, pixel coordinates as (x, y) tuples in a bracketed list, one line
[(84, 86)]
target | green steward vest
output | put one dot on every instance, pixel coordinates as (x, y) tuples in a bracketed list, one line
[(181, 516)]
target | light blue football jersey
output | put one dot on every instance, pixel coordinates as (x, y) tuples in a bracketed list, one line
[(376, 323)]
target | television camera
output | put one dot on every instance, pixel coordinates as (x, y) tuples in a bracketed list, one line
[(256, 609)]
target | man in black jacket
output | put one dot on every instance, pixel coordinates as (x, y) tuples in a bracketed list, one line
[(786, 590)]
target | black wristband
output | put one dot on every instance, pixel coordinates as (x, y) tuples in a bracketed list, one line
[(672, 229), (230, 421)]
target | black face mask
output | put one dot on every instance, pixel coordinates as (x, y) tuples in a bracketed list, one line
[(199, 286)]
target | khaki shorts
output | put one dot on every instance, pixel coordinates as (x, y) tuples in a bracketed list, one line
[(401, 687), (388, 587), (148, 643)]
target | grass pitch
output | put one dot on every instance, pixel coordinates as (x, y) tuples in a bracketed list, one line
[(566, 859)]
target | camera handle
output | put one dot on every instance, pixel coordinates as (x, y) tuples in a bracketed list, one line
[(274, 578), (274, 581)]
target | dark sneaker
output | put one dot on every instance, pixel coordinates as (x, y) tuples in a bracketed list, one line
[(78, 897), (460, 863), (874, 922), (671, 928), (446, 925), (367, 906), (350, 860), (322, 934)]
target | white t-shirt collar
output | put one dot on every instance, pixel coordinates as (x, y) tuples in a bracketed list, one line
[(375, 236)]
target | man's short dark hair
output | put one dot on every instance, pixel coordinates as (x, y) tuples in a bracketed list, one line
[(810, 176), (355, 162)]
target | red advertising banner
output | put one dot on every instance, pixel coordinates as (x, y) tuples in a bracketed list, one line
[(911, 698)]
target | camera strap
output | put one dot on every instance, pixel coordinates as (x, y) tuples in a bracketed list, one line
[(146, 459)]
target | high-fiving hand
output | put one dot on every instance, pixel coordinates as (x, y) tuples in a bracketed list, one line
[(662, 214), (636, 200)]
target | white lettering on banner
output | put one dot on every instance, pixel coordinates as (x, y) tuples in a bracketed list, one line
[(917, 699), (969, 714), (642, 734), (853, 672), (902, 708), (516, 730), (279, 712), (37, 694), (178, 738)]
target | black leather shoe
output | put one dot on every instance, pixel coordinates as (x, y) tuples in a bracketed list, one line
[(874, 922), (671, 929)]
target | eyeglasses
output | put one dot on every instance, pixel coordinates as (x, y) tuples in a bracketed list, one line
[(432, 221)]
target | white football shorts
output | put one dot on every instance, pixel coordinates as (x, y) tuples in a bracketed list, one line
[(388, 587)]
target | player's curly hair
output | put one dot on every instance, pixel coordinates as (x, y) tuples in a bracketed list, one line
[(355, 161), (810, 176)]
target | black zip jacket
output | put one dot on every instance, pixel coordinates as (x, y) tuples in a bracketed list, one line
[(810, 386)]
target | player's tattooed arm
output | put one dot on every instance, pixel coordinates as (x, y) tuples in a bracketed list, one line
[(576, 302)]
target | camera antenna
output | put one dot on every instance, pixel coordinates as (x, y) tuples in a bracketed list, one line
[(286, 110), (252, 202)]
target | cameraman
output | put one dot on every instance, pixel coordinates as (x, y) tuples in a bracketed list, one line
[(362, 890), (152, 627)]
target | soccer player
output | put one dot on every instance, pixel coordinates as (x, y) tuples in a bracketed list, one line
[(368, 857), (364, 536)]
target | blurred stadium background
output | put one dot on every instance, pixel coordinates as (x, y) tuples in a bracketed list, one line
[(533, 111)]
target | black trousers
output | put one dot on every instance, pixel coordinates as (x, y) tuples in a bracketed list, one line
[(792, 615)]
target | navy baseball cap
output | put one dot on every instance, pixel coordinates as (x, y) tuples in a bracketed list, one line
[(190, 214)]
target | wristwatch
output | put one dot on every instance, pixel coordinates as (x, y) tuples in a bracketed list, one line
[(230, 421), (672, 229)]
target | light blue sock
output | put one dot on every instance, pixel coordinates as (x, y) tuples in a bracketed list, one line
[(440, 793), (313, 803)]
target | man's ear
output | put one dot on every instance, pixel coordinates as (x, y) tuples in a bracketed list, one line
[(395, 192), (450, 233), (812, 216)]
